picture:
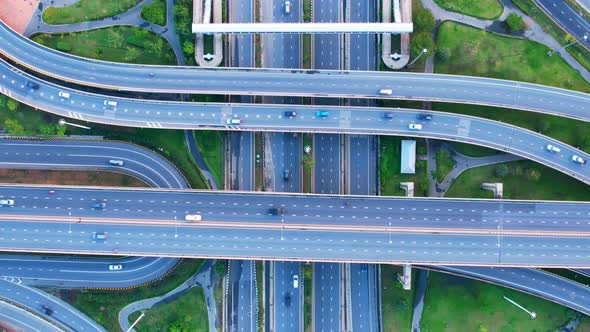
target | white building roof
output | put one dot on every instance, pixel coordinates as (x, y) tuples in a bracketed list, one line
[(302, 28), (408, 160)]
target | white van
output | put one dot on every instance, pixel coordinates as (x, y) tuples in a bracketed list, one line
[(64, 95), (385, 92), (287, 7), (192, 217), (111, 103), (116, 162)]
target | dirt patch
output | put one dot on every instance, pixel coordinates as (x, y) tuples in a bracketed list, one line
[(17, 13), (86, 178)]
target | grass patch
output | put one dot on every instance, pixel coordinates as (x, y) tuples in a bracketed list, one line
[(258, 167), (308, 162), (17, 119), (183, 19), (86, 10), (307, 285), (484, 9), (104, 306), (471, 150), (390, 166), (461, 304), (66, 177), (527, 180), (396, 303), (118, 44), (307, 51), (260, 294), (479, 53), (155, 13), (188, 312), (210, 143), (444, 164), (577, 51)]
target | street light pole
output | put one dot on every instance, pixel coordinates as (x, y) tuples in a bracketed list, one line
[(531, 313), (550, 53), (424, 51), (136, 321)]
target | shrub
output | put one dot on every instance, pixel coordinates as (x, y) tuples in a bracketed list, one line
[(12, 104), (443, 54), (502, 171), (514, 22)]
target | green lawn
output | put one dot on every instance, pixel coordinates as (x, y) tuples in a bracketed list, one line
[(188, 312), (86, 10), (390, 165), (396, 303), (27, 120), (484, 9), (155, 13), (306, 181), (460, 304), (210, 143), (260, 294), (552, 185), (577, 51), (118, 44), (307, 292), (479, 53), (444, 164), (104, 306), (472, 150)]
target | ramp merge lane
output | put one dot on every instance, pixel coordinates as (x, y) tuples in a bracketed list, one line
[(359, 120), (313, 228), (283, 82)]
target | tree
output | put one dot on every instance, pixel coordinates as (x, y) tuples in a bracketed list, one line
[(13, 127), (155, 47), (3, 101), (220, 267), (307, 162), (502, 171), (514, 22), (12, 104), (443, 54), (421, 41), (188, 48), (542, 125), (569, 38), (423, 21), (131, 54), (115, 39), (533, 174)]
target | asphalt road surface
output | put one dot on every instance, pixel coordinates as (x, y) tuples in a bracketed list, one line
[(568, 18), (14, 318), (462, 89)]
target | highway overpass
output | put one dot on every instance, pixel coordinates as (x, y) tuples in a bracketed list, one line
[(148, 222), (292, 82), (394, 28), (256, 117)]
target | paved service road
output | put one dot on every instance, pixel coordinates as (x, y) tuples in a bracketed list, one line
[(462, 89), (315, 228), (17, 319), (57, 311), (536, 282)]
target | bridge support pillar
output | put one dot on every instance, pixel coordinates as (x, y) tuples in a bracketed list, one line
[(408, 187), (497, 188), (406, 277)]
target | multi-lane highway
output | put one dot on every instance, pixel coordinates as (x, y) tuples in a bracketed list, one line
[(462, 89), (58, 312), (319, 228), (570, 20), (14, 318)]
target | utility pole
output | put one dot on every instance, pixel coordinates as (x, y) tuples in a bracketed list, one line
[(531, 313), (424, 51), (550, 53)]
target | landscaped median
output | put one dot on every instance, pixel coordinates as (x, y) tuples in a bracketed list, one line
[(86, 10), (484, 9)]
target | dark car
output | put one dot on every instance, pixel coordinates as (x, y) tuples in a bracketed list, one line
[(286, 174), (364, 267), (47, 309), (276, 211), (290, 114), (99, 206), (425, 117), (288, 300), (388, 115), (32, 85)]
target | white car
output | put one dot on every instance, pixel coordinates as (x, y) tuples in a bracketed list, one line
[(415, 126), (6, 202), (287, 7), (234, 121), (110, 103), (64, 95), (385, 92), (579, 160), (553, 148), (115, 267), (192, 217), (296, 281)]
